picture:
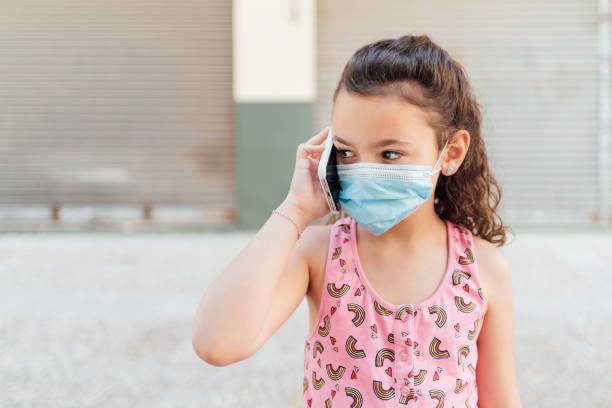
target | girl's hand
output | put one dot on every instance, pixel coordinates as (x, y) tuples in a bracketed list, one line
[(305, 199)]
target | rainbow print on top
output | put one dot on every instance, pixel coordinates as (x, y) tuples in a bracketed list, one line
[(366, 352)]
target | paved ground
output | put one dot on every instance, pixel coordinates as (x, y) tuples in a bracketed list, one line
[(92, 320)]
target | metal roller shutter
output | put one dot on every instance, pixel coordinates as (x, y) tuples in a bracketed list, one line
[(534, 68), (113, 103)]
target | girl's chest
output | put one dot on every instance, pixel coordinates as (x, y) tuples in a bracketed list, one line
[(396, 281), (400, 281)]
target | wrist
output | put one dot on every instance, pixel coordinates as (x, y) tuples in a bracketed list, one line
[(296, 212)]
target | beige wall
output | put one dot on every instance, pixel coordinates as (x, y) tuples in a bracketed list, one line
[(274, 50)]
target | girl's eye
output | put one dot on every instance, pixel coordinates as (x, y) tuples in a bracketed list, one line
[(341, 151), (389, 151)]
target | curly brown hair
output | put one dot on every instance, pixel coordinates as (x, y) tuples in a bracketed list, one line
[(420, 72)]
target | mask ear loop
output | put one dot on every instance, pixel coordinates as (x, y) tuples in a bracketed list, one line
[(439, 157)]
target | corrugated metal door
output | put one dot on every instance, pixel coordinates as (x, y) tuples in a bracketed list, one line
[(534, 67), (116, 103)]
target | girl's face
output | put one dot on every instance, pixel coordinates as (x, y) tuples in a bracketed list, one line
[(381, 129)]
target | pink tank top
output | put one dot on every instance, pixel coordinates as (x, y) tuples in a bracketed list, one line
[(366, 352)]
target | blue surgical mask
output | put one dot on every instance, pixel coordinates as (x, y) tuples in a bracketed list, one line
[(379, 195)]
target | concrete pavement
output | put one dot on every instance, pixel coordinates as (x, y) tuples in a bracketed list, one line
[(104, 320)]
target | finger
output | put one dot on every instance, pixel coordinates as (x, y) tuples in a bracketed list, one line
[(314, 163), (301, 151), (304, 149), (314, 148), (313, 157), (321, 144), (314, 153), (307, 147), (316, 139)]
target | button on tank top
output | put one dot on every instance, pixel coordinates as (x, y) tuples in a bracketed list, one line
[(366, 352)]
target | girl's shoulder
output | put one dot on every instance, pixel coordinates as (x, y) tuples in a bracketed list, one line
[(316, 241), (493, 268)]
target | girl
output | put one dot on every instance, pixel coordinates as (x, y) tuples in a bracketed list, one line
[(410, 299)]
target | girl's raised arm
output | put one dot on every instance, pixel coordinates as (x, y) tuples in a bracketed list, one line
[(268, 279)]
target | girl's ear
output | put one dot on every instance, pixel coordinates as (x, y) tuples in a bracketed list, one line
[(455, 152)]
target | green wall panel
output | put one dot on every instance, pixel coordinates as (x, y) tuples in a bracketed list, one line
[(267, 138)]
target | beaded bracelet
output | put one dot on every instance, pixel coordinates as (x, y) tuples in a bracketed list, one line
[(290, 218)]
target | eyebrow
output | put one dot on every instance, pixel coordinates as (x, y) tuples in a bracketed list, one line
[(380, 143)]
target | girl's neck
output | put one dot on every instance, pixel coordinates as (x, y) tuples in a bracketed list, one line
[(421, 229)]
